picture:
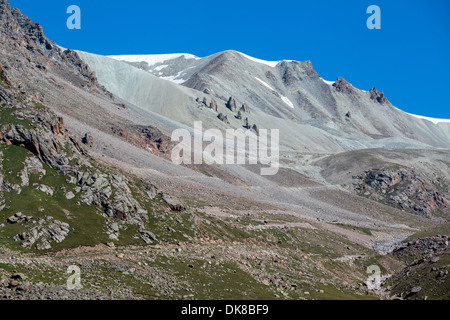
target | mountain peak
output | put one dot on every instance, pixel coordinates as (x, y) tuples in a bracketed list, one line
[(344, 86)]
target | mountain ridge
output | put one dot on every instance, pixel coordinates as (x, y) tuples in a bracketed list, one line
[(85, 179), (157, 59), (296, 84)]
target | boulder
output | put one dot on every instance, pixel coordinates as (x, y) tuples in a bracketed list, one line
[(88, 140), (69, 195), (172, 202)]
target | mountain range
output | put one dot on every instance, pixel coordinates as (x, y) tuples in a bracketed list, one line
[(86, 177)]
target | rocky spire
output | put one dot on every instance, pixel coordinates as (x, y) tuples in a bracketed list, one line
[(213, 105), (378, 96), (231, 104), (245, 108), (255, 128)]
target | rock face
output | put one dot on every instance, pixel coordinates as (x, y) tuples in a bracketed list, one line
[(289, 77), (402, 188), (343, 86), (378, 96), (41, 141), (97, 189), (22, 33), (231, 104)]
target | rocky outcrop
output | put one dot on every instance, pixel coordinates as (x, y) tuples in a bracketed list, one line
[(71, 58), (289, 77), (3, 78), (57, 126), (208, 91), (148, 236), (223, 118), (50, 142), (378, 96), (247, 124), (255, 129), (44, 233), (402, 188), (147, 138), (424, 246), (32, 166), (213, 105), (43, 143), (245, 108), (111, 192), (348, 115), (343, 86), (21, 33), (18, 217), (43, 133), (231, 104), (88, 140)]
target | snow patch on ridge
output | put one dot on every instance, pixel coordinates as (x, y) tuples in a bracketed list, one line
[(175, 79), (271, 64), (159, 68), (265, 84), (285, 99), (434, 120), (328, 82), (153, 59)]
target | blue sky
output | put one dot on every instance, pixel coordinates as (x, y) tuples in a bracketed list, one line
[(408, 59)]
